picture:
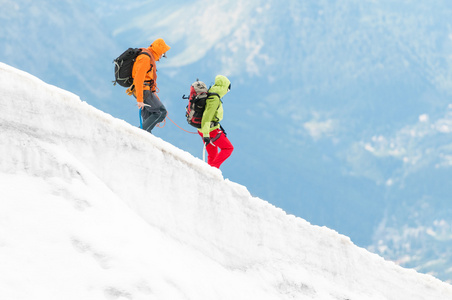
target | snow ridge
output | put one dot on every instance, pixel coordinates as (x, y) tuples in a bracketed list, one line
[(98, 196)]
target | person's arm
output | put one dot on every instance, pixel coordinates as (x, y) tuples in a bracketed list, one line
[(212, 104), (141, 67)]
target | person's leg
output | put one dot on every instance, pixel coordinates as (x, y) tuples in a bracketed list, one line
[(212, 152), (219, 140), (154, 119), (224, 144), (154, 113)]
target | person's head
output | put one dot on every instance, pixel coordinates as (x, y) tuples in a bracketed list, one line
[(159, 47), (222, 85)]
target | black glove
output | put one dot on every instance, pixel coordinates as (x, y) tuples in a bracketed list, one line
[(206, 140)]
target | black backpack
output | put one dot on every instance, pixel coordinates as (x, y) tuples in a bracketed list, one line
[(124, 65), (197, 103)]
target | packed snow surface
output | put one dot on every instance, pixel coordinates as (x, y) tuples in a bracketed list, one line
[(94, 208)]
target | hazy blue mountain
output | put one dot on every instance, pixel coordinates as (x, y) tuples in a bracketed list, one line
[(339, 111)]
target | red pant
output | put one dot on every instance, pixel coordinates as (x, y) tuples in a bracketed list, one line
[(214, 158)]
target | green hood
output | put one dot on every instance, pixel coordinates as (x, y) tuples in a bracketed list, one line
[(221, 86)]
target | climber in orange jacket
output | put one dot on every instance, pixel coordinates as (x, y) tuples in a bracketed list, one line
[(145, 89)]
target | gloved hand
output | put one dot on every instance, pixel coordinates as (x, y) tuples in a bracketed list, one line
[(206, 140), (130, 90)]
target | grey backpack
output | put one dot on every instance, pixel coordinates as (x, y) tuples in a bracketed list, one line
[(197, 102)]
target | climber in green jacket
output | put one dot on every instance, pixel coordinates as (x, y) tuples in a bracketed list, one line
[(211, 131)]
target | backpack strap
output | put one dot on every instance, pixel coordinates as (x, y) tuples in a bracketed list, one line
[(213, 94), (145, 52)]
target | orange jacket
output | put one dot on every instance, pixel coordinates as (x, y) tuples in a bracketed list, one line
[(143, 77)]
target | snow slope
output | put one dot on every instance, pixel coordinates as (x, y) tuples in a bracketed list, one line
[(362, 80), (94, 208)]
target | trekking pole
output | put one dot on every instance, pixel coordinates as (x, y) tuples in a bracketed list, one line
[(204, 153)]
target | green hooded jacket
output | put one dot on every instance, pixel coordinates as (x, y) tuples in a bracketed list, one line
[(214, 108)]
